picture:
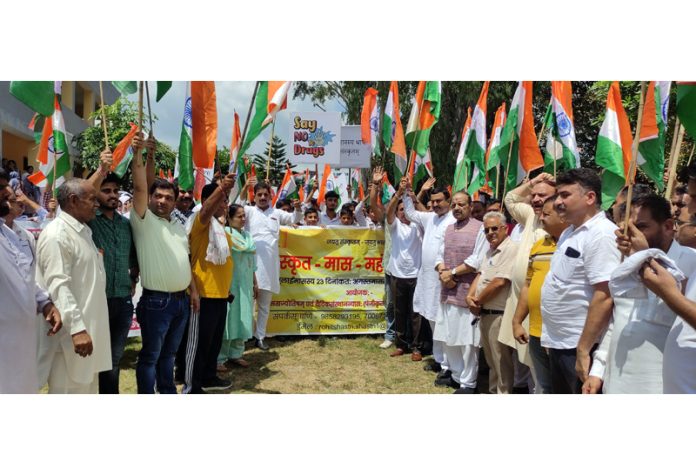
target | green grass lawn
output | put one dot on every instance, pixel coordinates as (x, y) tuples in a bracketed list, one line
[(316, 365)]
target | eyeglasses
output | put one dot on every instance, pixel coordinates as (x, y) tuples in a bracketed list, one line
[(492, 229)]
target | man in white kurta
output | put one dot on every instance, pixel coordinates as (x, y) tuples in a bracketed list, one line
[(426, 299), (263, 223), (524, 204), (72, 269), (21, 300), (630, 355)]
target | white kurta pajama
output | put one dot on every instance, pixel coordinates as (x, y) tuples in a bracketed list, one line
[(72, 269), (264, 227), (426, 298), (21, 299), (629, 357)]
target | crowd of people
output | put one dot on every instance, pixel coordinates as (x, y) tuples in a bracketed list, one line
[(546, 290)]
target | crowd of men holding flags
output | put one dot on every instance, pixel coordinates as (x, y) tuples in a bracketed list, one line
[(575, 283)]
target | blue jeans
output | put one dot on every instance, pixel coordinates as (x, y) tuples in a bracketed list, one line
[(389, 306), (540, 360), (120, 317), (162, 319)]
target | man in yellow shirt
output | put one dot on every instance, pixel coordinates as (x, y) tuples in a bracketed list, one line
[(529, 302), (211, 266)]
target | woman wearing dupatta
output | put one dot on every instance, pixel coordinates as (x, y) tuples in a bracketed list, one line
[(240, 312)]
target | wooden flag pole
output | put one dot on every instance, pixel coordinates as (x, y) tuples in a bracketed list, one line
[(246, 124), (140, 107), (675, 133), (691, 155), (634, 156), (270, 151), (103, 114), (674, 161), (149, 110)]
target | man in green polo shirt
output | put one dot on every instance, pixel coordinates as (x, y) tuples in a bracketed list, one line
[(112, 235), (163, 257)]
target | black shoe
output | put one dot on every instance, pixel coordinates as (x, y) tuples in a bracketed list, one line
[(444, 374), (464, 391), (432, 366), (261, 345), (520, 389), (216, 384), (449, 382)]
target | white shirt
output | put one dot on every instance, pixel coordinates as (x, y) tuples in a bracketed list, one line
[(324, 219), (72, 269), (679, 360), (426, 298), (584, 257), (264, 227), (21, 299), (629, 357), (517, 232), (406, 245)]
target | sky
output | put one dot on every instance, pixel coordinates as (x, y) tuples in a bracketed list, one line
[(231, 96)]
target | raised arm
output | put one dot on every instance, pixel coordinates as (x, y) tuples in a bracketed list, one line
[(213, 202), (418, 217), (106, 158), (517, 200), (393, 205), (151, 145), (140, 188), (375, 204)]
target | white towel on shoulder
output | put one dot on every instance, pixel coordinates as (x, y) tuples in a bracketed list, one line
[(625, 280), (218, 250)]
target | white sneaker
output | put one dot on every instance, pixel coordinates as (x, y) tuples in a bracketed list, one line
[(386, 344)]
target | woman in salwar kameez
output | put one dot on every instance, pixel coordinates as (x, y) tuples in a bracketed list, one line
[(240, 312)]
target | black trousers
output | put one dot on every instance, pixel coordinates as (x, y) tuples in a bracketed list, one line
[(203, 343), (407, 322)]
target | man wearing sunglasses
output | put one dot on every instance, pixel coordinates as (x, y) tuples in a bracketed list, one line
[(487, 296)]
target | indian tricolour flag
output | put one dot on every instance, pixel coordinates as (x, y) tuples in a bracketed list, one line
[(288, 188), (393, 131), (277, 99), (561, 151), (53, 156), (491, 162), (369, 120), (651, 146), (475, 152), (461, 170), (356, 183), (184, 168), (614, 147), (387, 189), (424, 115), (518, 151), (123, 153), (424, 167)]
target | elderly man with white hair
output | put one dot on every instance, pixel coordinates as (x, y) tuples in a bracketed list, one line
[(487, 296)]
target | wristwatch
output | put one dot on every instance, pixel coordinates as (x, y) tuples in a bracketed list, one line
[(454, 270)]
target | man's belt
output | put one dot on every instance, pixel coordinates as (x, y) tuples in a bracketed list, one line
[(180, 295), (485, 311)]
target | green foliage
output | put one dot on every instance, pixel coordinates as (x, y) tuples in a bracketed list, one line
[(278, 162), (119, 115), (223, 158)]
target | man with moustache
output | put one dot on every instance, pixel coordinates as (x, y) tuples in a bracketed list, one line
[(184, 204), (630, 355), (426, 300), (263, 222), (22, 298), (71, 267), (575, 301), (111, 233)]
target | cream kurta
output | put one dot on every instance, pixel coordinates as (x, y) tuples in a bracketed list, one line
[(21, 299), (523, 213), (426, 297), (71, 268), (264, 227)]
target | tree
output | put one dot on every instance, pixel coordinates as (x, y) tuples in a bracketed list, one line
[(278, 163), (90, 142)]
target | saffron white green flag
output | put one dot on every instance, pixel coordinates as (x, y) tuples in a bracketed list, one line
[(461, 168), (475, 152), (614, 147), (561, 150), (53, 156), (184, 161), (651, 146)]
